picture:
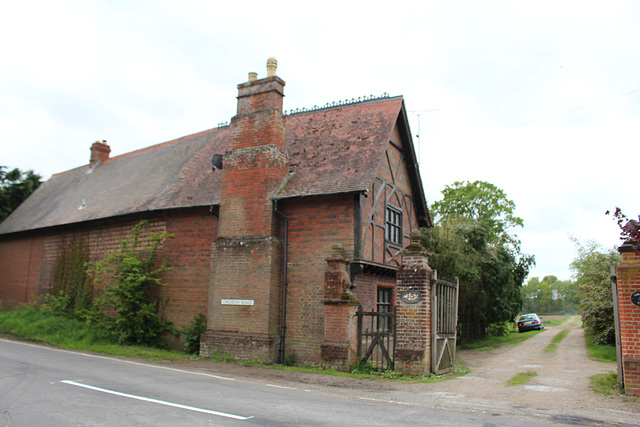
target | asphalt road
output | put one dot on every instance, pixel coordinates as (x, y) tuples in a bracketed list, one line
[(43, 386)]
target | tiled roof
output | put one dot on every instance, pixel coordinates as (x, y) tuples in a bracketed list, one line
[(338, 149), (332, 150)]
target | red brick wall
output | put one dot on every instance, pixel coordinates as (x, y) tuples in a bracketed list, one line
[(190, 258), (315, 225), (628, 283), (20, 259), (249, 177), (244, 269), (366, 289), (31, 260)]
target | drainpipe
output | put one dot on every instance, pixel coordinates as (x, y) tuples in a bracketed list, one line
[(283, 309)]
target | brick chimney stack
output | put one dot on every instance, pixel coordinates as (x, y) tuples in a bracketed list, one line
[(99, 152), (243, 315), (257, 161)]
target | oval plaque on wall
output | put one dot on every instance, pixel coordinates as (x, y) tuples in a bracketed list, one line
[(635, 298), (410, 297)]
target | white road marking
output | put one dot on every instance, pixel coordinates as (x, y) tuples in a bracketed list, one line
[(113, 359), (287, 388), (387, 401), (160, 402)]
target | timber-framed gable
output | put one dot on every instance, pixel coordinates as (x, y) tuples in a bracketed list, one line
[(389, 210)]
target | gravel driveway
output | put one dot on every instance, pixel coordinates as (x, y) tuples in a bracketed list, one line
[(559, 391)]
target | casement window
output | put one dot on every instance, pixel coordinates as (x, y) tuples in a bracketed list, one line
[(383, 306), (393, 224)]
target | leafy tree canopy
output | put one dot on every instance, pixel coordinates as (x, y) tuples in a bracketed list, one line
[(550, 296), (480, 201), (15, 187), (592, 271), (473, 245)]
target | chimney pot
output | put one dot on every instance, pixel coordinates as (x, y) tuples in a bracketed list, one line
[(272, 65), (253, 76)]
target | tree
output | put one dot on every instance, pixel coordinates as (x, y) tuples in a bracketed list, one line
[(15, 187), (550, 296), (480, 201), (592, 271), (471, 241)]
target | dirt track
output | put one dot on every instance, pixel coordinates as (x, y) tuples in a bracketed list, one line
[(558, 394)]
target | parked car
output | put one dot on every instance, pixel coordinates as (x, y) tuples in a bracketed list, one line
[(530, 321)]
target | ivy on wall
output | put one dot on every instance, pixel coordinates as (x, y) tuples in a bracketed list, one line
[(127, 306), (71, 285)]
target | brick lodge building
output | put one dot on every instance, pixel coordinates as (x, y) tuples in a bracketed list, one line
[(302, 217)]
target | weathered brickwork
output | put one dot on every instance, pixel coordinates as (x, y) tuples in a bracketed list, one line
[(315, 226), (413, 339), (189, 257), (20, 267), (249, 178), (628, 274), (340, 305), (247, 269), (366, 287), (187, 283)]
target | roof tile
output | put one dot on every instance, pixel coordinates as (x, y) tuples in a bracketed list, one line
[(332, 150)]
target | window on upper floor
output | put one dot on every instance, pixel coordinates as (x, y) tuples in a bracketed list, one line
[(393, 224)]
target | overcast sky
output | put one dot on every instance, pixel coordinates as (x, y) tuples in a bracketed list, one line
[(540, 98)]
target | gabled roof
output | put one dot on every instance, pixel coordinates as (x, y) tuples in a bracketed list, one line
[(331, 150)]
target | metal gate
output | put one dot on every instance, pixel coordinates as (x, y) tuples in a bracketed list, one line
[(444, 311), (377, 337)]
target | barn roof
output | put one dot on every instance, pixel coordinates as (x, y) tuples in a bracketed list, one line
[(332, 150)]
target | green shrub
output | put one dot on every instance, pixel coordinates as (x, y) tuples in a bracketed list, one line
[(193, 332), (290, 359), (129, 278), (501, 329)]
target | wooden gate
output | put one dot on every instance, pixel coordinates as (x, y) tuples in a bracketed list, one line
[(444, 311), (377, 337)]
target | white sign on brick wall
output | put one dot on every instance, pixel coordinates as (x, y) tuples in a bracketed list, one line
[(237, 302)]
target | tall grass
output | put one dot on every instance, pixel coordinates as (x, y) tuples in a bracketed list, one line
[(33, 324)]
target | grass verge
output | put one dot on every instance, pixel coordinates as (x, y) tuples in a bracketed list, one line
[(490, 342), (35, 325), (522, 378), (600, 352), (605, 384)]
